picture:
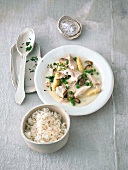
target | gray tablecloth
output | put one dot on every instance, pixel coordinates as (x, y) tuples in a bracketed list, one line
[(98, 141)]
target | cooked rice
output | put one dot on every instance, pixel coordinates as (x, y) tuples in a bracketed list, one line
[(45, 126)]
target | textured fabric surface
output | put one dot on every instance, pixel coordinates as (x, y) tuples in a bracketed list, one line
[(98, 141)]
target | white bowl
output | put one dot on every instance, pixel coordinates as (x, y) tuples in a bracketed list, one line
[(48, 147), (84, 53)]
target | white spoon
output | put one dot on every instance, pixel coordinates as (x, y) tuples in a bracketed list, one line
[(25, 44)]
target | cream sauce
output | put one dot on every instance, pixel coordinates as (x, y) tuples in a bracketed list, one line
[(85, 100)]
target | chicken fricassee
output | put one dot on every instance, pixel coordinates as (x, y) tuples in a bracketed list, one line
[(73, 81)]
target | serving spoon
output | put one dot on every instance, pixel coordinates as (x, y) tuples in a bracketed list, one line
[(25, 44)]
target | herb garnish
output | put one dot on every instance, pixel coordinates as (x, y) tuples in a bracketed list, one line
[(32, 71), (21, 47), (90, 84), (34, 59), (28, 48), (74, 58), (27, 61), (27, 43), (51, 66), (67, 87), (51, 78)]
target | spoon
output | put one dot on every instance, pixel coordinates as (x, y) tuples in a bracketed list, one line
[(25, 44)]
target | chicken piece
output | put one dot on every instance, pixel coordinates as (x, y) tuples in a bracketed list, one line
[(72, 63), (79, 65), (93, 92), (56, 81), (81, 90), (68, 72), (77, 75), (93, 80), (61, 91)]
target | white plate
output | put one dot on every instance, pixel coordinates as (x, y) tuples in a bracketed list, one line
[(15, 65), (75, 50)]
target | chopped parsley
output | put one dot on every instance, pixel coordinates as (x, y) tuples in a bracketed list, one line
[(74, 58), (34, 59), (51, 66), (27, 43), (32, 71), (28, 48), (27, 61), (51, 78), (21, 47), (84, 75), (50, 88), (65, 82), (67, 87), (60, 64), (90, 84), (87, 83)]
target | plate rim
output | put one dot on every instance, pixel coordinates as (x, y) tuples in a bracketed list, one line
[(63, 106)]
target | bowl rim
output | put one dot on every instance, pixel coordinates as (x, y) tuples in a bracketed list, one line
[(47, 143)]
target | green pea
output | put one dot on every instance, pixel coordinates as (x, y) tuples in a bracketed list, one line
[(67, 61), (70, 92), (77, 86), (87, 83)]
